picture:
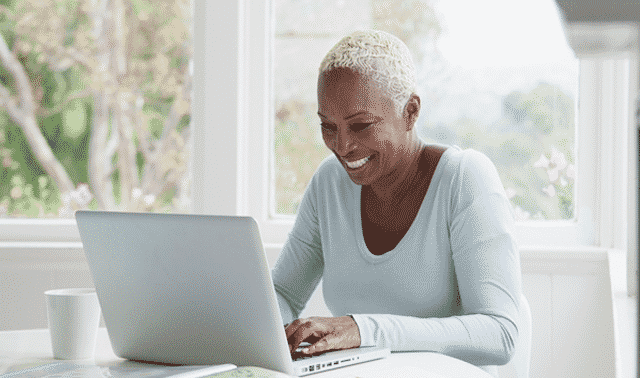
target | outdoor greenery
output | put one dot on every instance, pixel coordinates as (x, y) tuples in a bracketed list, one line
[(531, 144), (94, 106)]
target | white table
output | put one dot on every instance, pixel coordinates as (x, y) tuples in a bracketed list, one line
[(22, 349)]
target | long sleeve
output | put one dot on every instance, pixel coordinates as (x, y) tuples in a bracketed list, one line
[(300, 264), (487, 271)]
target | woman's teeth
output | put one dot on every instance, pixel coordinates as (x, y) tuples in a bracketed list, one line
[(357, 163)]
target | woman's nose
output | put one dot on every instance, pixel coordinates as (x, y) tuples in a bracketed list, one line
[(343, 143)]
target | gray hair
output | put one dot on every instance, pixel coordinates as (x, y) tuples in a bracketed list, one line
[(379, 55)]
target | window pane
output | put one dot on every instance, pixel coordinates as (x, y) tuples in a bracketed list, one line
[(95, 106), (496, 76)]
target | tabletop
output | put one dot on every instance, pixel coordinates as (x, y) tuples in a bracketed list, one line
[(27, 348)]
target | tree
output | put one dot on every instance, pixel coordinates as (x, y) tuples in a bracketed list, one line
[(540, 111), (132, 62)]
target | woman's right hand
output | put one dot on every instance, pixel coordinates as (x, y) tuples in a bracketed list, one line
[(323, 333)]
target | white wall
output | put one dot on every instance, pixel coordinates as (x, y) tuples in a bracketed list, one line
[(569, 293)]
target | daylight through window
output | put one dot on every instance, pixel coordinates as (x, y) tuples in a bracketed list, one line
[(94, 106), (496, 76)]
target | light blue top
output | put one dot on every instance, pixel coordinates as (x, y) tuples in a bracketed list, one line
[(452, 284)]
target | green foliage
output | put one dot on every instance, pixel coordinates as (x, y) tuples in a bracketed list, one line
[(533, 124), (74, 120), (25, 199), (299, 149), (541, 111), (141, 7), (63, 91)]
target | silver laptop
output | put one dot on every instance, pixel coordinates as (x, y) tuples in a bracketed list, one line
[(193, 290)]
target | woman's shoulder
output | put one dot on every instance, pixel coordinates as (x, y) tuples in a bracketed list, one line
[(471, 170), (459, 161), (330, 181), (330, 169)]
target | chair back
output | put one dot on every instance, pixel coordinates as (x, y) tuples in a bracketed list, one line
[(522, 357), (520, 363)]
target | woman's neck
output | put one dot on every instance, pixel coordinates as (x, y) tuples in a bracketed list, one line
[(396, 186)]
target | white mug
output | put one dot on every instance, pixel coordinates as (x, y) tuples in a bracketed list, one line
[(73, 316)]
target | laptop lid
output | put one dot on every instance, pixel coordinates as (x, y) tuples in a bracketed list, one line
[(192, 289), (185, 289)]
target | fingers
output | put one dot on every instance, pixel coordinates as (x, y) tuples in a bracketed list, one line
[(328, 343), (324, 334), (325, 344), (304, 330)]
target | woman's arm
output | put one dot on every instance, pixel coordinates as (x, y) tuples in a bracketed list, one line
[(295, 276), (300, 264), (485, 334)]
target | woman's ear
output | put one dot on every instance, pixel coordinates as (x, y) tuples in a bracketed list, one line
[(412, 111)]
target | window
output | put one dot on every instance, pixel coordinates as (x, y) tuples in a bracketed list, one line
[(489, 77), (233, 109), (95, 102), (257, 160)]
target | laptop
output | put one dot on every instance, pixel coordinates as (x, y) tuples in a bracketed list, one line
[(193, 290)]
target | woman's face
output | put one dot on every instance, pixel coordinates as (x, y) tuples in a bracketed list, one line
[(360, 125)]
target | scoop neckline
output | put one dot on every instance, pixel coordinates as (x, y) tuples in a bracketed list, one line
[(364, 250)]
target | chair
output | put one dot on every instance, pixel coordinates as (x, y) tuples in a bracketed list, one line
[(518, 366), (521, 359)]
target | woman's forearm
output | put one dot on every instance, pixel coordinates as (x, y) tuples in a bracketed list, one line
[(477, 338)]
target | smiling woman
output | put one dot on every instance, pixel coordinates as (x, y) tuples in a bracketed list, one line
[(414, 241), (368, 142)]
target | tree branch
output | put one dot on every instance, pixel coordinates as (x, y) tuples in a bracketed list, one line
[(49, 112), (24, 116), (154, 173), (22, 81), (7, 12), (9, 104), (99, 164)]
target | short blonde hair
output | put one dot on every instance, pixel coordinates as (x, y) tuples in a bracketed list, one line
[(379, 55)]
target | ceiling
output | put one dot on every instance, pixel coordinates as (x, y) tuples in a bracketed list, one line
[(580, 11), (601, 27)]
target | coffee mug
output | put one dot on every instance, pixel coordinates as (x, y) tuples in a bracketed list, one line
[(73, 316)]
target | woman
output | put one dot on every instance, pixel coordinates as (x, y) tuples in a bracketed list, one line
[(414, 241)]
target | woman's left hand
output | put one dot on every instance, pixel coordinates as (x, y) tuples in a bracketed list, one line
[(324, 334)]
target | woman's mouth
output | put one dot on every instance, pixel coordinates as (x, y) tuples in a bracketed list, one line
[(358, 163)]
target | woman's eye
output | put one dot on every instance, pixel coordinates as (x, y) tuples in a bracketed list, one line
[(327, 127), (360, 126)]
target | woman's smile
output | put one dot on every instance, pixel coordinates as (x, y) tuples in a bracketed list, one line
[(357, 163)]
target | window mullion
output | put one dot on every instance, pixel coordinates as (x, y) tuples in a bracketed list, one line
[(632, 225), (605, 131), (618, 161), (587, 147)]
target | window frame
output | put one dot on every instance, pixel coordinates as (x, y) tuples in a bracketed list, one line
[(595, 196), (215, 97)]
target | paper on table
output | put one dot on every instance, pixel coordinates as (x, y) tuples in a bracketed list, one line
[(64, 370), (402, 372)]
